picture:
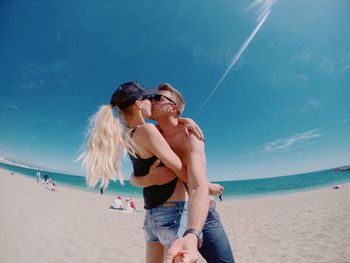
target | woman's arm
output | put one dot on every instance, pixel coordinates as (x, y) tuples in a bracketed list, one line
[(191, 126), (150, 139)]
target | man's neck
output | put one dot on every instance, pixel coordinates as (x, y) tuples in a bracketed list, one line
[(168, 125)]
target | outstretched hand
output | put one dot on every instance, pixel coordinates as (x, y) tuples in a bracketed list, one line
[(185, 256), (183, 250)]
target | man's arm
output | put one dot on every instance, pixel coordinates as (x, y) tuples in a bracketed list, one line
[(199, 200), (156, 176), (197, 183), (151, 140)]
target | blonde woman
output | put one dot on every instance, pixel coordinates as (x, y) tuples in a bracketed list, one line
[(107, 141)]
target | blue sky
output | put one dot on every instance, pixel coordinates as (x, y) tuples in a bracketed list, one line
[(283, 108)]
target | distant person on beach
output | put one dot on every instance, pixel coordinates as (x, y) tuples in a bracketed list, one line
[(50, 185), (216, 247), (132, 204), (128, 205), (117, 203), (145, 144), (38, 178), (337, 187), (46, 178)]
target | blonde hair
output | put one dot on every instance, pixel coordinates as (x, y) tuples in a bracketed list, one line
[(176, 95), (106, 143)]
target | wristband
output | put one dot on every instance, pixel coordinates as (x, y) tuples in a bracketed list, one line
[(197, 233)]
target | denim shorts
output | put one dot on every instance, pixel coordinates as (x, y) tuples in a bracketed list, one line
[(166, 223)]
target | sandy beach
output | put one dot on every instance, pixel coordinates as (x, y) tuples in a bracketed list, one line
[(38, 225)]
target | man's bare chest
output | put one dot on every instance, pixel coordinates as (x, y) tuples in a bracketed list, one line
[(177, 144)]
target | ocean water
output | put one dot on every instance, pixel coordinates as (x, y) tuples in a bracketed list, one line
[(238, 188)]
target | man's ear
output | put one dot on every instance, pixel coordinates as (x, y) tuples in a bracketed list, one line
[(174, 108)]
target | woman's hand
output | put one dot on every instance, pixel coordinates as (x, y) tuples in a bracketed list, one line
[(191, 126), (183, 250), (215, 189)]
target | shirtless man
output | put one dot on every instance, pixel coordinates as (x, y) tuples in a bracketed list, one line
[(210, 238)]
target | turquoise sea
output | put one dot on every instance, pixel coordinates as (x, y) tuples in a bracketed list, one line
[(238, 188)]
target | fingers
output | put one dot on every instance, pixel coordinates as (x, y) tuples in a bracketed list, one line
[(155, 164), (195, 130), (191, 126), (200, 133), (185, 256), (197, 133), (186, 131), (182, 251), (172, 252)]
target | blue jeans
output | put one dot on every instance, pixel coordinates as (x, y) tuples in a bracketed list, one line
[(216, 247), (166, 223)]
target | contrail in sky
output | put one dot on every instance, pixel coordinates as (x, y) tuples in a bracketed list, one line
[(267, 4)]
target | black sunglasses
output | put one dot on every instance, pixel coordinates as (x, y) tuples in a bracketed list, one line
[(157, 97)]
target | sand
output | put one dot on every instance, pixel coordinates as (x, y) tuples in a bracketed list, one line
[(37, 225)]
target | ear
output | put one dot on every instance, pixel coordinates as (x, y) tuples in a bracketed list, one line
[(138, 104), (173, 108)]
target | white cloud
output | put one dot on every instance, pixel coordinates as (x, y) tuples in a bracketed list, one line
[(327, 65), (345, 69), (315, 103), (212, 56), (29, 85), (345, 121), (282, 144), (302, 57), (58, 66), (303, 77), (8, 103)]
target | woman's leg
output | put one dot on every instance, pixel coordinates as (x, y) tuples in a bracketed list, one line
[(154, 252), (163, 226)]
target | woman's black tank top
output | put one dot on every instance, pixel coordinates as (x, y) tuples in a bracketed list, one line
[(153, 195)]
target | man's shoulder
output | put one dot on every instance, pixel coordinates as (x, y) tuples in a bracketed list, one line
[(191, 142)]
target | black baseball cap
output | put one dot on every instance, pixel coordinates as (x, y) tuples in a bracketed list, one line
[(129, 92)]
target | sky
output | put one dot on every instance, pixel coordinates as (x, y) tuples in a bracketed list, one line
[(271, 102)]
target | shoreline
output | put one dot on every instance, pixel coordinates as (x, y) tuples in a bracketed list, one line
[(74, 225), (116, 189)]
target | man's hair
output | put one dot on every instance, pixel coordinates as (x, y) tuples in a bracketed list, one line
[(176, 95)]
